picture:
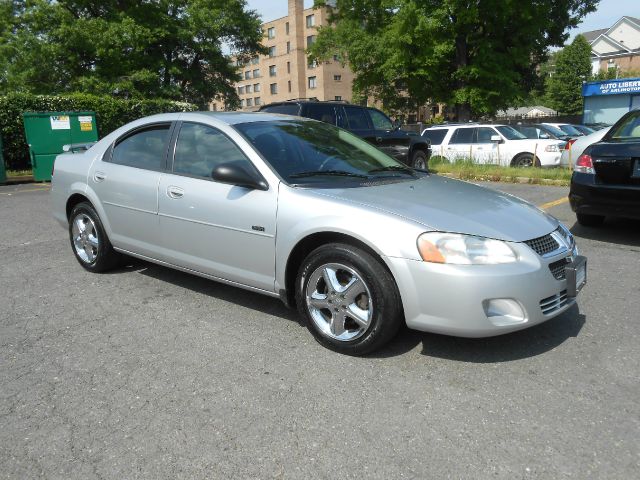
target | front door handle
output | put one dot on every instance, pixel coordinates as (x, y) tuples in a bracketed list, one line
[(175, 192), (99, 176)]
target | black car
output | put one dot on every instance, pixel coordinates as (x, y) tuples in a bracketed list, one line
[(366, 122), (606, 177), (536, 130)]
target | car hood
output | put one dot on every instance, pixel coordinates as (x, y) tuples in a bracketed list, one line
[(443, 204)]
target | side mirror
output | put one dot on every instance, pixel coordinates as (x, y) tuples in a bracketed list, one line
[(496, 139), (544, 136), (237, 174)]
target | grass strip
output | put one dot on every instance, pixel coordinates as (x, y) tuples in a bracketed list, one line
[(466, 170)]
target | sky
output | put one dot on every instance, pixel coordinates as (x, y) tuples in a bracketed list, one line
[(604, 17)]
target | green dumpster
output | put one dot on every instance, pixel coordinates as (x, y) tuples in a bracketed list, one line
[(48, 132), (3, 173)]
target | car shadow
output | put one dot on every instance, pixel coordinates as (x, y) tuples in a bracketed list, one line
[(621, 231), (504, 348), (221, 291), (514, 346)]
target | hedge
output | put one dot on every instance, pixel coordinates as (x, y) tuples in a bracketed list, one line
[(111, 113)]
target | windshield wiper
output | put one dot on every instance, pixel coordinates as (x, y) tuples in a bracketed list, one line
[(394, 168), (336, 173)]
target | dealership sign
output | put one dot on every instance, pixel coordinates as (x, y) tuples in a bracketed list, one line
[(612, 87)]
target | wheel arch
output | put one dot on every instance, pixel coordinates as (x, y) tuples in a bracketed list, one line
[(536, 159), (74, 200), (309, 243)]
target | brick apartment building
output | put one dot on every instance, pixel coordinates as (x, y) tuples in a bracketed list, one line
[(285, 73)]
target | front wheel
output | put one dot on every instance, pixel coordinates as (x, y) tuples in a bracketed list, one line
[(419, 160), (89, 241), (525, 160), (349, 300)]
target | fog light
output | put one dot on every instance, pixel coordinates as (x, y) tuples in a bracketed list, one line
[(504, 311)]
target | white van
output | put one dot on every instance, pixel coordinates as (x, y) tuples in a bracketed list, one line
[(496, 144)]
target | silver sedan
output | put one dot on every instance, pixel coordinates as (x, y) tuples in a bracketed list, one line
[(298, 209)]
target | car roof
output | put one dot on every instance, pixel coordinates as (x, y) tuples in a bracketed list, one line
[(234, 118)]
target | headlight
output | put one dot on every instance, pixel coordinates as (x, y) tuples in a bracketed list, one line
[(454, 248), (552, 148)]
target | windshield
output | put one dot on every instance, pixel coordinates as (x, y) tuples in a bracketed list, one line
[(553, 130), (627, 129), (569, 130), (511, 133), (313, 152)]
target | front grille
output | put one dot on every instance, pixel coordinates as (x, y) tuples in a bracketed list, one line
[(554, 302), (558, 269), (543, 245)]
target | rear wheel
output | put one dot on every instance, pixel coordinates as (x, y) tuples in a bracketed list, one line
[(587, 220), (419, 160), (349, 300), (89, 241)]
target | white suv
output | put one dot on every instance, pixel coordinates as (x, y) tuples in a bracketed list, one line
[(497, 144)]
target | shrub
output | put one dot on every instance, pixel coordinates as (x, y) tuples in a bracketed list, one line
[(111, 113)]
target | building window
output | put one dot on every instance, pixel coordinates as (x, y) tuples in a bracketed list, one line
[(286, 28), (288, 67), (311, 39), (271, 32), (249, 102), (256, 87), (337, 78), (311, 64), (288, 47), (256, 73), (255, 60), (312, 82), (311, 21), (273, 88), (247, 75), (289, 85), (338, 97), (272, 52), (240, 90), (248, 89), (257, 101), (242, 103), (272, 70)]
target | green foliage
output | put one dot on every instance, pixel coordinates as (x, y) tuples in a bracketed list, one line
[(480, 56), (154, 49), (573, 67), (111, 113), (613, 73)]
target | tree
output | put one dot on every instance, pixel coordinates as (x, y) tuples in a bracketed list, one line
[(573, 67), (166, 48), (479, 56)]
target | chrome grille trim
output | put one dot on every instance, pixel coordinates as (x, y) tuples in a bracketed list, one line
[(543, 245), (554, 302), (555, 243), (558, 269)]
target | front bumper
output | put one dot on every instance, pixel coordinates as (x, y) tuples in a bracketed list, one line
[(549, 159), (592, 198), (454, 299)]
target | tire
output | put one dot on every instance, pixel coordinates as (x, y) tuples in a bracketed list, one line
[(89, 241), (587, 220), (355, 320), (525, 160), (419, 160)]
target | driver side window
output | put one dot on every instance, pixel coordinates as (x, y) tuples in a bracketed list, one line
[(200, 149), (380, 121)]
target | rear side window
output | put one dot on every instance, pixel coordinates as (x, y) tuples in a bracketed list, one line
[(324, 113), (143, 149), (627, 129), (462, 135), (290, 109), (435, 136), (357, 118), (200, 148)]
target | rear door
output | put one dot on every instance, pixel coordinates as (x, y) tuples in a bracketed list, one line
[(126, 182), (460, 145), (325, 112), (358, 123)]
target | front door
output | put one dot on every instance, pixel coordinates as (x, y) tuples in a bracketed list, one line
[(392, 141), (214, 228)]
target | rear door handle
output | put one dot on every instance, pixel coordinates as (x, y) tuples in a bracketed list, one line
[(99, 176), (175, 192)]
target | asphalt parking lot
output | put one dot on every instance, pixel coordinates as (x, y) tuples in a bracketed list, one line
[(151, 373)]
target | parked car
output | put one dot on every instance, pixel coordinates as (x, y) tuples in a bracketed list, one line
[(583, 129), (566, 128), (309, 213), (366, 122), (499, 144), (606, 177), (574, 148), (538, 130)]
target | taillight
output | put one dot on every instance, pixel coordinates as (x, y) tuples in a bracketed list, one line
[(584, 164), (569, 143)]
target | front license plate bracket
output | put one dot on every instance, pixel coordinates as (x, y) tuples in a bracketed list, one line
[(576, 273)]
